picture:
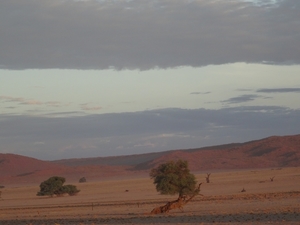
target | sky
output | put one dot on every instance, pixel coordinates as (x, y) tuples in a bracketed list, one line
[(95, 78)]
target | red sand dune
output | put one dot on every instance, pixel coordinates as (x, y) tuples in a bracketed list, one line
[(17, 165), (274, 151)]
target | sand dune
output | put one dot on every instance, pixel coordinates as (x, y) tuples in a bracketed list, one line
[(266, 153)]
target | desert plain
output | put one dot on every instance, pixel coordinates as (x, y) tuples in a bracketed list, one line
[(129, 200)]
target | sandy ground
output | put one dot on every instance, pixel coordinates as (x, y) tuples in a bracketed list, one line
[(129, 201)]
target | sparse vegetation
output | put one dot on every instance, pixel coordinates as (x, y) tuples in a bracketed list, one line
[(174, 178), (54, 186), (82, 180), (223, 202), (70, 189)]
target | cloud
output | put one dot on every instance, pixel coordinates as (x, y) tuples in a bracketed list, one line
[(90, 107), (200, 93), (38, 143), (268, 3), (240, 99), (20, 100), (10, 99), (146, 144), (52, 104), (279, 90), (31, 102), (141, 132), (145, 34)]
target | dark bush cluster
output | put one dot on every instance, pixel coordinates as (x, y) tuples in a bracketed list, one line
[(70, 189), (54, 186), (82, 180)]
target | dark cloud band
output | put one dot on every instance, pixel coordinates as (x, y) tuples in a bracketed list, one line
[(279, 90), (140, 132), (143, 34)]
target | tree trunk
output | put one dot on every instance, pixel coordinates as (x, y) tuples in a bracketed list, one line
[(177, 204), (207, 178)]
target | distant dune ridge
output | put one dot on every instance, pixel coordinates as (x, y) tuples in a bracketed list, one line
[(275, 151)]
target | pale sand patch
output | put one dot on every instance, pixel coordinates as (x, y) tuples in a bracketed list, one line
[(129, 201)]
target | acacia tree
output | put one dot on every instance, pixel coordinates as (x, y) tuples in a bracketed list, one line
[(174, 178), (54, 186)]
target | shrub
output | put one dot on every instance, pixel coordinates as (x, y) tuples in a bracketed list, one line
[(70, 189), (82, 180), (54, 186)]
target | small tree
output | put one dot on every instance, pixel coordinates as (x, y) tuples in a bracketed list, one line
[(207, 178), (54, 186), (174, 178), (82, 180)]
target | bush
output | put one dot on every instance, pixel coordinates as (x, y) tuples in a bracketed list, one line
[(70, 189), (82, 180), (54, 186)]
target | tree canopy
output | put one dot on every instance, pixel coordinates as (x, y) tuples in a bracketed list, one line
[(54, 186), (174, 178)]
